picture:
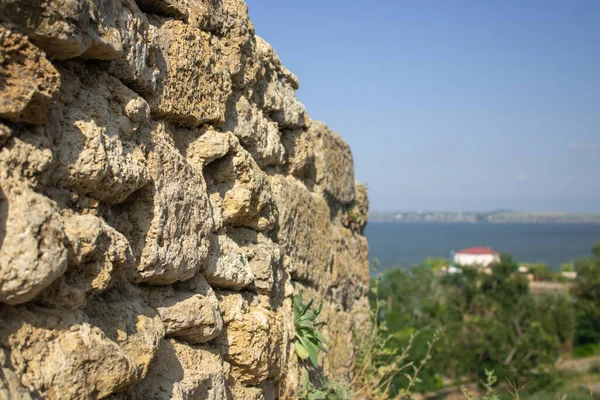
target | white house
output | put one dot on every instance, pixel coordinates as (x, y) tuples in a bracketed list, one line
[(476, 256)]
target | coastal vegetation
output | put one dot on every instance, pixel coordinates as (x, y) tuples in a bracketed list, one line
[(490, 322), (476, 334)]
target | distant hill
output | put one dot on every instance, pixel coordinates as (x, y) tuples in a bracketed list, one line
[(497, 216)]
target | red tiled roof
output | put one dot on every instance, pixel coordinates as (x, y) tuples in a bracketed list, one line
[(478, 250)]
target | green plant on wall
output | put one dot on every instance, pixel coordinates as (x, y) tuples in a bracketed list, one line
[(308, 340)]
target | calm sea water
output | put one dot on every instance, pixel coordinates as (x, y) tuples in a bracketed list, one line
[(408, 244)]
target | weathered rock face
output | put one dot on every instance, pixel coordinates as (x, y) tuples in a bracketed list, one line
[(163, 195)]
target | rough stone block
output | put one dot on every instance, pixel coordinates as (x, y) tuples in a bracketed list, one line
[(244, 190), (32, 255), (202, 146), (180, 371), (190, 312), (275, 89), (203, 14), (95, 135), (170, 219), (193, 86), (305, 241), (29, 83), (126, 319), (334, 165), (252, 338), (263, 255), (227, 266), (96, 254), (66, 29), (256, 133), (59, 355)]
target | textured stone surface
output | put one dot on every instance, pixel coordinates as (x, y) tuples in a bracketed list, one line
[(264, 258), (163, 195), (203, 146), (193, 86), (190, 312), (96, 254), (244, 191), (181, 372), (127, 320), (257, 134), (60, 355), (227, 266), (333, 163), (94, 132), (70, 28), (170, 216), (306, 241), (252, 339), (29, 83), (33, 253)]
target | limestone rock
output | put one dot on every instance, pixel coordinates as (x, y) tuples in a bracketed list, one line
[(306, 241), (26, 157), (263, 256), (96, 253), (66, 29), (127, 320), (136, 65), (32, 253), (95, 137), (350, 264), (116, 31), (193, 86), (204, 14), (153, 152), (5, 133), (275, 91), (172, 8), (10, 385), (357, 212), (250, 338), (202, 146), (59, 355), (171, 217), (240, 392), (244, 190), (190, 313), (29, 82), (334, 165), (227, 266), (256, 133), (338, 331), (181, 372), (299, 146)]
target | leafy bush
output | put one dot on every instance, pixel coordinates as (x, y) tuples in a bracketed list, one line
[(585, 350), (328, 390), (379, 362), (308, 340)]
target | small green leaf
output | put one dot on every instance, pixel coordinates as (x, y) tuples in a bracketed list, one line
[(313, 351), (301, 351)]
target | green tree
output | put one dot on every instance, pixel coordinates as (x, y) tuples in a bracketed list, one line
[(491, 321), (542, 272), (567, 267), (586, 292)]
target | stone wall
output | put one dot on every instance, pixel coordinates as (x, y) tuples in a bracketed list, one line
[(163, 196)]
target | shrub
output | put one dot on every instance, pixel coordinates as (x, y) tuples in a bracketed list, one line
[(308, 340), (585, 350)]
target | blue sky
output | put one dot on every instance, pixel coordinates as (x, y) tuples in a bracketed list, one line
[(453, 105)]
